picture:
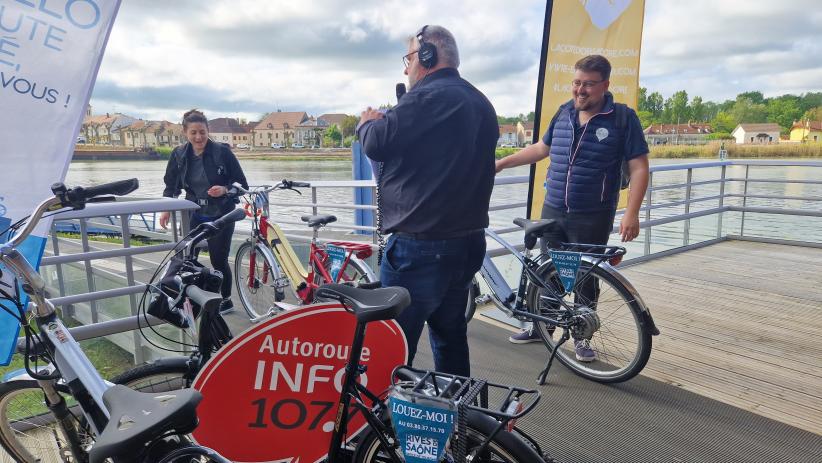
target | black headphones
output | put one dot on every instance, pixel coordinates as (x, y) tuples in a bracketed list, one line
[(427, 54)]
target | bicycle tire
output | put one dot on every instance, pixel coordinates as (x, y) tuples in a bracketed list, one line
[(259, 297), (504, 447), (357, 271), (622, 343), (30, 435), (186, 452), (471, 303)]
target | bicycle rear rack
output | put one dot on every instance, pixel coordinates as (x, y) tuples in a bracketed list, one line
[(473, 394)]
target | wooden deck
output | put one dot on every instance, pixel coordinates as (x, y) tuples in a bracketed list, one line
[(740, 323)]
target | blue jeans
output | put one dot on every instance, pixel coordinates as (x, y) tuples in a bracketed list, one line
[(437, 273)]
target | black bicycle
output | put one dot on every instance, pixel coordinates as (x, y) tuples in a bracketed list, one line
[(595, 307), (485, 431)]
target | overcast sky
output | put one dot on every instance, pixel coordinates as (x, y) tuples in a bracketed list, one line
[(246, 57)]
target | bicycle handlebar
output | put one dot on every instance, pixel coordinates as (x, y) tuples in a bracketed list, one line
[(203, 298)]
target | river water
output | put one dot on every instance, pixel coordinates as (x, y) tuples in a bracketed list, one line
[(150, 174)]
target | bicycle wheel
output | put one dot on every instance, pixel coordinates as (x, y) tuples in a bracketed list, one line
[(622, 343), (257, 294), (185, 452), (356, 272), (471, 304), (504, 447), (28, 431)]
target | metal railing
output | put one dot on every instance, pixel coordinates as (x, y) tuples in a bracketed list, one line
[(686, 194), (87, 263)]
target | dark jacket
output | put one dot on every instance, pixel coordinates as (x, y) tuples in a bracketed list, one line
[(588, 179), (436, 147), (221, 167)]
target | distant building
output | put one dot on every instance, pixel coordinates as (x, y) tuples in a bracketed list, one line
[(756, 134), (810, 131), (508, 135), (226, 130), (334, 119), (104, 129), (525, 133), (278, 127), (310, 131), (678, 134)]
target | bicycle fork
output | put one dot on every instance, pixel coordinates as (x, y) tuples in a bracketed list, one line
[(56, 403)]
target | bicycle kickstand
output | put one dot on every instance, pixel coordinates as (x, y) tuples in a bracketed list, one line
[(544, 374)]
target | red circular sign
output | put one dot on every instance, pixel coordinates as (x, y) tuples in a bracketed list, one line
[(271, 394)]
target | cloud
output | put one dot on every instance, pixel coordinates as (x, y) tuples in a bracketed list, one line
[(253, 56), (719, 49)]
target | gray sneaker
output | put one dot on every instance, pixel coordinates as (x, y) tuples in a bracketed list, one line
[(584, 351), (226, 306), (525, 337)]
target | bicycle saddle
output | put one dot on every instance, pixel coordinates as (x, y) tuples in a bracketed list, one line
[(318, 220), (138, 418), (368, 304), (535, 229)]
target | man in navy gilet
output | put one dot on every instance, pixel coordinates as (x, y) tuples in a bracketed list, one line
[(587, 145)]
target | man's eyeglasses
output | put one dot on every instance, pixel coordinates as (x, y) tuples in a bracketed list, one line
[(406, 60), (588, 84)]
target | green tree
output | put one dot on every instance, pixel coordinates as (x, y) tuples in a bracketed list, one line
[(531, 117), (646, 118), (813, 114), (678, 105), (723, 122), (756, 97), (745, 111), (642, 100), (349, 123), (655, 104), (332, 136), (697, 109), (811, 100), (784, 110)]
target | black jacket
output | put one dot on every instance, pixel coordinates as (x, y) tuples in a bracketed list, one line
[(436, 147), (221, 166)]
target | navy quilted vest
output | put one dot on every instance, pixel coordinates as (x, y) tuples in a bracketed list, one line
[(588, 179)]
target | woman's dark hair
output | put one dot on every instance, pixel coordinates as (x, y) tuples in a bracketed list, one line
[(195, 115)]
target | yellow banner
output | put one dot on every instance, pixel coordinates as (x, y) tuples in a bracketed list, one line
[(575, 29)]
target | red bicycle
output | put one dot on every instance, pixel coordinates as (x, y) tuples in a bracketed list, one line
[(266, 266)]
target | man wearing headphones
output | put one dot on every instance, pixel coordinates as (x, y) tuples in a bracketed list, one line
[(437, 153)]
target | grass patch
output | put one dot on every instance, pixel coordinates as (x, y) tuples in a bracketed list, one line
[(136, 240), (711, 151), (109, 359)]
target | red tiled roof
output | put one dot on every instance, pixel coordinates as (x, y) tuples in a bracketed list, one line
[(812, 125), (507, 128), (280, 120), (333, 118)]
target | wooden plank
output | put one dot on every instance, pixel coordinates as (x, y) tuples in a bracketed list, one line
[(740, 323)]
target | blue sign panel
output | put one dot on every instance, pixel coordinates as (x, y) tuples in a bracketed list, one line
[(336, 255), (422, 430), (567, 265)]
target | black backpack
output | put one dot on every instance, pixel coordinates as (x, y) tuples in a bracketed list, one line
[(621, 113)]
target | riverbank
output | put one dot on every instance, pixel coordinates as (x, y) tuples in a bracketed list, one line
[(707, 151), (711, 151)]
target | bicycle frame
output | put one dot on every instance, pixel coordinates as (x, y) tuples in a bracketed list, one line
[(82, 378), (513, 303), (277, 247)]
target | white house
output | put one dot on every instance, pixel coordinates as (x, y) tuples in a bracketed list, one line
[(756, 134)]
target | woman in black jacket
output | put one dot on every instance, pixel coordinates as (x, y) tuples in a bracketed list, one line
[(205, 169)]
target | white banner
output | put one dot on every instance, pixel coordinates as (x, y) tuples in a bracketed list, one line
[(50, 51)]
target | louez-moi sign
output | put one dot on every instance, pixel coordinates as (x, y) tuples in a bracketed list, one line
[(271, 394)]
